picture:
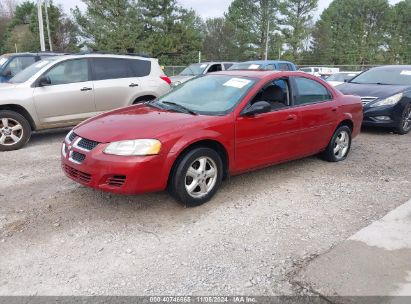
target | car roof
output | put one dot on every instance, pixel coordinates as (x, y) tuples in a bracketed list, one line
[(261, 74), (65, 57), (213, 62), (393, 67), (268, 61)]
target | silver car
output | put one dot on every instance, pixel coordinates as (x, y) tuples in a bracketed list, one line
[(197, 69), (63, 91)]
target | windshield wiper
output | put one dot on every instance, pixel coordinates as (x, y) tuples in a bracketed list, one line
[(187, 110)]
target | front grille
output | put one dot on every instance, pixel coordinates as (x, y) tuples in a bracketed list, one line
[(76, 174), (367, 99), (116, 180), (77, 157), (87, 144), (72, 136)]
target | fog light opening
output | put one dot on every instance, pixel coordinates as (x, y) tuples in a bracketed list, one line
[(382, 118)]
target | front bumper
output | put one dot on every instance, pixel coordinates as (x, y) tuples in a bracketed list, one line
[(112, 173), (393, 112)]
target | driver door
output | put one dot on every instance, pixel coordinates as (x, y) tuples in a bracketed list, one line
[(69, 98), (268, 138)]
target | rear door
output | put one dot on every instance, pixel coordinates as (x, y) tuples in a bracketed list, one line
[(318, 113), (70, 97), (114, 83)]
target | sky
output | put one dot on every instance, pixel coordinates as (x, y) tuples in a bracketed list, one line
[(205, 8)]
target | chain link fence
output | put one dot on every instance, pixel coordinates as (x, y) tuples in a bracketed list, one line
[(172, 70)]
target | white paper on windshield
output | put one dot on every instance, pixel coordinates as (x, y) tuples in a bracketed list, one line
[(238, 83), (408, 73), (203, 66), (352, 75), (2, 61), (253, 67), (41, 64)]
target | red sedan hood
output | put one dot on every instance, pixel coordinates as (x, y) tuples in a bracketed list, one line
[(135, 122)]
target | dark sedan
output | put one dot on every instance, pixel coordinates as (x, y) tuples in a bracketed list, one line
[(386, 96)]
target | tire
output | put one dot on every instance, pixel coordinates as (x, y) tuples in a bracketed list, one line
[(405, 124), (143, 99), (15, 131), (339, 146), (187, 175)]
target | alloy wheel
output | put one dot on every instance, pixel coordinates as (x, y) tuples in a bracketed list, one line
[(201, 177), (341, 145), (11, 131), (406, 123)]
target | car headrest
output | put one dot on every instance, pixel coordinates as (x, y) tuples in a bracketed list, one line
[(273, 93)]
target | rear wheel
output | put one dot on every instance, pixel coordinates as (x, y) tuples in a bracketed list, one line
[(405, 124), (197, 177), (15, 131), (339, 146)]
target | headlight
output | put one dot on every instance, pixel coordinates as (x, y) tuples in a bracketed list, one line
[(390, 101), (138, 147)]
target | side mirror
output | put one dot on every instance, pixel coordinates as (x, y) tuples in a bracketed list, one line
[(44, 81), (259, 107), (7, 73)]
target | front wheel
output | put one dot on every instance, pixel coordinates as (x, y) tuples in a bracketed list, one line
[(197, 177), (15, 131), (405, 124), (339, 146)]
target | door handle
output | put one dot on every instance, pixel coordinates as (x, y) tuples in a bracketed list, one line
[(334, 110), (292, 117), (133, 85), (86, 89)]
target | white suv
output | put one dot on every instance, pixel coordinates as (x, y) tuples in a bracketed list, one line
[(63, 91)]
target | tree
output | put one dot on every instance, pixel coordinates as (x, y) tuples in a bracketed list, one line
[(110, 25), (399, 33), (23, 31), (63, 31), (218, 43), (351, 32), (297, 16), (251, 19), (171, 33)]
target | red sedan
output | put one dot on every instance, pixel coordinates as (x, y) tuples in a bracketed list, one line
[(211, 127)]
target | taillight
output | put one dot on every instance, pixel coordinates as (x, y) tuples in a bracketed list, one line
[(166, 79)]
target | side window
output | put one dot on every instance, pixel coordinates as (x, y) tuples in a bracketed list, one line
[(284, 67), (70, 71), (276, 93), (227, 65), (290, 67), (139, 68), (110, 68), (310, 91), (18, 64), (215, 68), (270, 67)]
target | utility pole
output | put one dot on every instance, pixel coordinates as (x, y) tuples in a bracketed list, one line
[(41, 29), (46, 3), (267, 38)]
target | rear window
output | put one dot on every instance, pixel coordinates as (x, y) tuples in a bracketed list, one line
[(140, 68)]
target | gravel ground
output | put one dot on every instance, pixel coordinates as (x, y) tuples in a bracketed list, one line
[(59, 238)]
